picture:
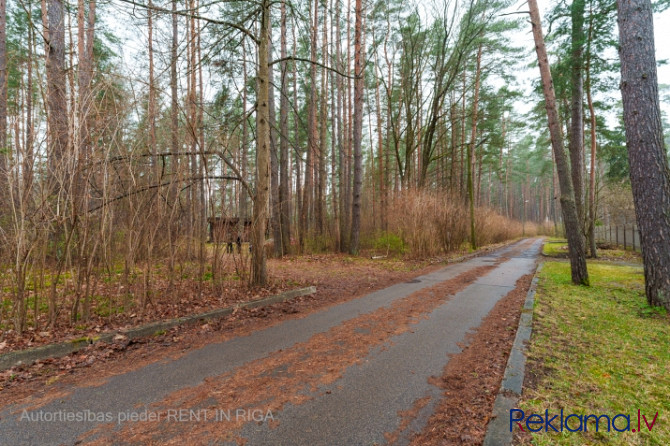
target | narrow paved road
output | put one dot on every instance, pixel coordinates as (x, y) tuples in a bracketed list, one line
[(358, 373)]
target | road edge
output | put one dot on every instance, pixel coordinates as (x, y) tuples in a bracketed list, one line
[(58, 350), (498, 432)]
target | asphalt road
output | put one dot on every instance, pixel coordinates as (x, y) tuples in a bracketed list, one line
[(359, 408)]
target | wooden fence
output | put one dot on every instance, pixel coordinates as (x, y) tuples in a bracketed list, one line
[(627, 236)]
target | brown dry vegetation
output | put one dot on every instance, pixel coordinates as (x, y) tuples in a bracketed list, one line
[(432, 224), (422, 225)]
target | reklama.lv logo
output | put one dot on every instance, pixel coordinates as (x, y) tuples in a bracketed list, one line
[(578, 423)]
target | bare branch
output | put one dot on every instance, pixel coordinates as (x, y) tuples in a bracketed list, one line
[(313, 62), (183, 13)]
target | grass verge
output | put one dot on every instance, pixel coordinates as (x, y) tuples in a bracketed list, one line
[(597, 350), (558, 248), (555, 247)]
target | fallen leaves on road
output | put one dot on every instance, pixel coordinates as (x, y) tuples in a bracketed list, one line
[(471, 383), (293, 375)]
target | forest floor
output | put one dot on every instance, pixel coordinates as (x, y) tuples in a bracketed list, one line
[(114, 304)]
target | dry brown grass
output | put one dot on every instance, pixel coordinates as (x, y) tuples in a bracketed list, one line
[(432, 224)]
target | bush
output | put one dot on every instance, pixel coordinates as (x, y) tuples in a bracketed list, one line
[(388, 242), (431, 224)]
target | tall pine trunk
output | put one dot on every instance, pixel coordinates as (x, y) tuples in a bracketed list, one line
[(259, 274), (57, 113), (649, 172), (3, 105), (323, 130), (284, 208), (274, 161), (358, 130), (471, 150), (591, 230), (573, 232), (308, 191), (577, 106)]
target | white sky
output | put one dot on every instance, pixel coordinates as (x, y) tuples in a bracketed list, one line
[(661, 22), (135, 41)]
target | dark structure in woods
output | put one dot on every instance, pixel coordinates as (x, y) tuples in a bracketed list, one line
[(226, 230)]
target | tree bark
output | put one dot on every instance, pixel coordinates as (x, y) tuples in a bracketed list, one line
[(57, 115), (259, 275), (85, 35), (28, 160), (284, 208), (570, 218), (591, 236), (357, 130), (323, 129), (471, 150), (380, 152), (649, 171), (334, 114), (151, 108), (242, 204), (311, 134), (274, 161), (174, 107), (296, 145), (3, 104), (577, 106)]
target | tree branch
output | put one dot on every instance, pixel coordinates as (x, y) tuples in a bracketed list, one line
[(313, 62), (156, 186), (183, 13)]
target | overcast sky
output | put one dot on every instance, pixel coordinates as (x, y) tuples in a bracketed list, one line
[(661, 27), (134, 42)]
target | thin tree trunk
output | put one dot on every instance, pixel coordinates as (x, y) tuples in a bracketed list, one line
[(358, 130), (380, 151), (454, 142), (463, 168), (243, 195), (311, 133), (57, 115), (259, 271), (29, 151), (284, 203), (471, 150), (500, 165), (296, 145), (570, 218), (274, 160), (348, 139), (592, 176), (174, 144), (341, 138), (323, 129), (3, 105), (334, 110), (193, 132), (174, 106), (151, 108), (577, 106), (649, 171)]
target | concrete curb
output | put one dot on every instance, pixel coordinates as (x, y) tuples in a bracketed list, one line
[(21, 357), (497, 431)]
